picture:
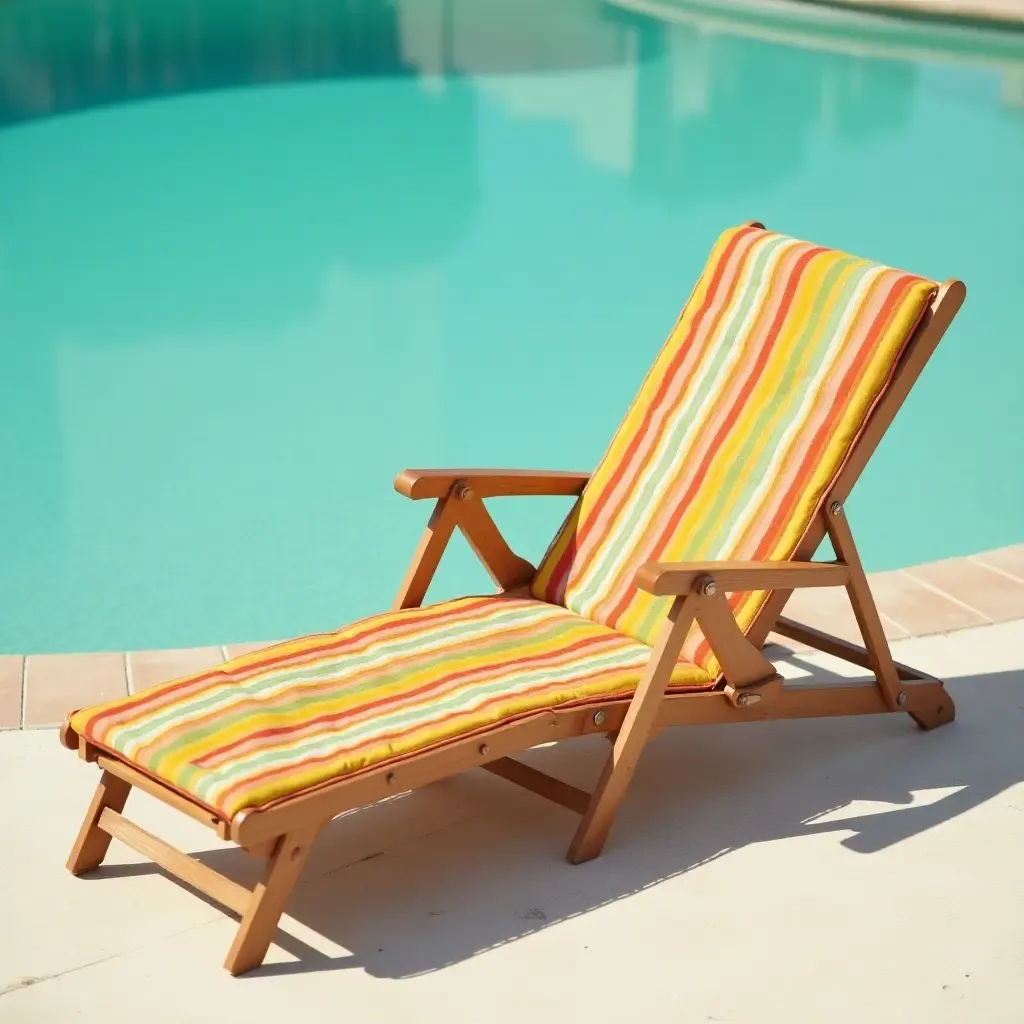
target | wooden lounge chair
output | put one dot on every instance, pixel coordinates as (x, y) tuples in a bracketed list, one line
[(780, 377)]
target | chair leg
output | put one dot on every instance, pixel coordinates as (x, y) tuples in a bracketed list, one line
[(268, 901), (92, 843), (865, 610), (636, 730), (942, 714)]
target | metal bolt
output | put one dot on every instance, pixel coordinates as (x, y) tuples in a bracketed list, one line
[(462, 491), (743, 700), (835, 508), (902, 698), (392, 778), (708, 588), (484, 750), (599, 717)]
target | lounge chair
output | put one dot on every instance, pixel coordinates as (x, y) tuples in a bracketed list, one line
[(649, 609)]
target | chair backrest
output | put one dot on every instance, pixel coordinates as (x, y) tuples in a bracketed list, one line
[(747, 416)]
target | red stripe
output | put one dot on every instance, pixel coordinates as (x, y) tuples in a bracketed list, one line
[(297, 690), (448, 681), (697, 477), (827, 427), (626, 466), (881, 323), (217, 674), (253, 781)]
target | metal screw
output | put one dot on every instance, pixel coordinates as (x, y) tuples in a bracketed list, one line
[(902, 698), (708, 588), (462, 491), (599, 717), (743, 700), (484, 750), (835, 508), (392, 778)]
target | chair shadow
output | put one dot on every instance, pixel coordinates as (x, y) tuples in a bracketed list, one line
[(441, 875)]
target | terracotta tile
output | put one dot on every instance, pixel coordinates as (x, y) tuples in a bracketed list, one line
[(917, 608), (237, 650), (10, 690), (1009, 560), (994, 595), (147, 668), (829, 609), (59, 683)]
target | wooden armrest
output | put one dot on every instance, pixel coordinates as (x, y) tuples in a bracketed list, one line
[(663, 578), (487, 483)]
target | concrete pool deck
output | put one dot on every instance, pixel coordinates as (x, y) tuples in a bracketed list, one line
[(842, 870), (39, 690)]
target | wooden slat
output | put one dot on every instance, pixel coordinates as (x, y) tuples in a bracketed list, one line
[(742, 663), (842, 649), (490, 483), (68, 736), (263, 849), (503, 565), (264, 909), (169, 796), (87, 751), (864, 609), (540, 783), (666, 578), (427, 555), (632, 737), (797, 701), (179, 864), (321, 804), (91, 845)]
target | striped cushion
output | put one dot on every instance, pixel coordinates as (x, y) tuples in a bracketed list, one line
[(740, 427), (272, 723)]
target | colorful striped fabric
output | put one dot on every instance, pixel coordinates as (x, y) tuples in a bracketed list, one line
[(739, 428), (273, 723), (727, 452)]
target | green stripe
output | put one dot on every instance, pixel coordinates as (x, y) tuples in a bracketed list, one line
[(516, 685), (725, 507), (132, 733), (619, 546), (385, 683)]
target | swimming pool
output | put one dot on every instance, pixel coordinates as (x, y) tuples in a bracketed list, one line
[(255, 258)]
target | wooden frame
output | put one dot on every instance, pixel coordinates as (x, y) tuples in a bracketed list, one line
[(748, 689)]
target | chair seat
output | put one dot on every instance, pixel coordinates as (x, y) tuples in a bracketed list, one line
[(273, 723)]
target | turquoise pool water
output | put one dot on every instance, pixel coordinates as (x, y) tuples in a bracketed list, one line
[(256, 258)]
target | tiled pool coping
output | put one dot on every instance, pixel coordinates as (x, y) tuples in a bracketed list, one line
[(38, 690), (1009, 12)]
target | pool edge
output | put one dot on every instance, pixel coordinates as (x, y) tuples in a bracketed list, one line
[(38, 690)]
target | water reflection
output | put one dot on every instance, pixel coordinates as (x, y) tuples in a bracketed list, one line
[(58, 56), (691, 98), (710, 106)]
